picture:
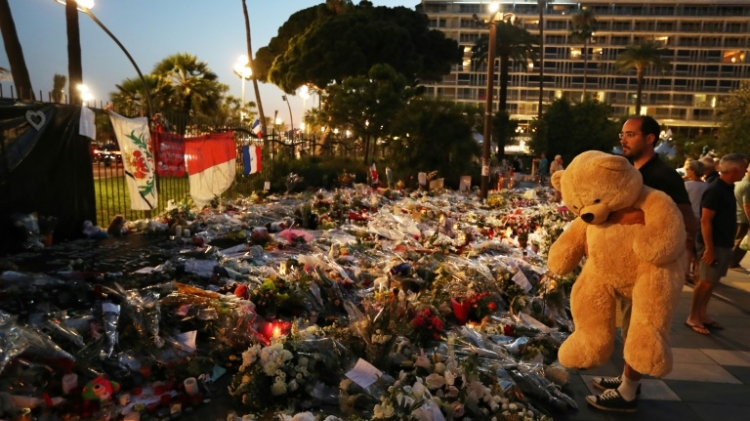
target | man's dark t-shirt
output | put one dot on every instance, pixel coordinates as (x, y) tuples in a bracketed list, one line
[(660, 176), (719, 197)]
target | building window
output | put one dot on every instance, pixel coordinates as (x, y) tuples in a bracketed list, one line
[(621, 40), (690, 26), (468, 8), (435, 7), (472, 38), (665, 26), (662, 11), (621, 26), (733, 56)]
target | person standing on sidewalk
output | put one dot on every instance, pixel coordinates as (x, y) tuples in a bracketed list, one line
[(695, 187), (715, 238), (638, 139), (742, 195)]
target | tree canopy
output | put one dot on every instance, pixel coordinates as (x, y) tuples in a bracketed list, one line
[(569, 129), (435, 135), (323, 45), (734, 115), (367, 104)]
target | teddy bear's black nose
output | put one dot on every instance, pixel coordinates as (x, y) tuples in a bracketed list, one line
[(587, 217)]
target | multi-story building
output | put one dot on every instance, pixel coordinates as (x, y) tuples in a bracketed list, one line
[(706, 44)]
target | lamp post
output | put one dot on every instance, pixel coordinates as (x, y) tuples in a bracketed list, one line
[(488, 102), (291, 121), (244, 72), (486, 143), (85, 7)]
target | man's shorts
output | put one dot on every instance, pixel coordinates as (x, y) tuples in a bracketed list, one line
[(713, 273)]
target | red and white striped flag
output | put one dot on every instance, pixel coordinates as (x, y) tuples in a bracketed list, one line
[(210, 161)]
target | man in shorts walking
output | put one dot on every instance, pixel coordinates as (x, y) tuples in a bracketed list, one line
[(715, 239)]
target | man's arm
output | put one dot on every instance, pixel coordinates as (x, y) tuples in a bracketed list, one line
[(691, 222), (746, 208), (707, 216)]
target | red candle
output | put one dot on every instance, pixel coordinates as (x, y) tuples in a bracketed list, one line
[(159, 388)]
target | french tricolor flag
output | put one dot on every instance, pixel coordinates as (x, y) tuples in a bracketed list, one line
[(252, 156), (257, 129), (211, 163)]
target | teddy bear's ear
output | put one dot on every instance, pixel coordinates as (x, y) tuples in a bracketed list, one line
[(556, 180), (614, 163)]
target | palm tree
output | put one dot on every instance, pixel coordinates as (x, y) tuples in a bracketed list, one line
[(512, 43), (75, 68), (262, 118), (15, 53), (131, 99), (582, 28), (58, 87), (640, 57), (194, 87)]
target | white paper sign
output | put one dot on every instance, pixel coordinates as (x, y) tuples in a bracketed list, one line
[(522, 281), (465, 183), (187, 340), (267, 185), (364, 374)]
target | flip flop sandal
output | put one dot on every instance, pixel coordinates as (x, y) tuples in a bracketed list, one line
[(698, 329)]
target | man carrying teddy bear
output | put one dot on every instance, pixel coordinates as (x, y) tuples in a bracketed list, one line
[(638, 139)]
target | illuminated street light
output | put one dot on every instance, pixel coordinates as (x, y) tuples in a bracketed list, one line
[(85, 7), (244, 72), (86, 94)]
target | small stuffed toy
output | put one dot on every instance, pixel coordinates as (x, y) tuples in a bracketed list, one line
[(117, 227), (100, 389), (634, 240)]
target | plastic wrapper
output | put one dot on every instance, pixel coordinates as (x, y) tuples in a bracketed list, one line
[(12, 340), (533, 384), (110, 320), (29, 226)]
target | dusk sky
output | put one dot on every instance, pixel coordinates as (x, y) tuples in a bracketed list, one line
[(151, 30)]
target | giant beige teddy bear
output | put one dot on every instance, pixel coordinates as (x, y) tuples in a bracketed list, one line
[(634, 240)]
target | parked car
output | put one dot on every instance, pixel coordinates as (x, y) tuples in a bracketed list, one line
[(108, 154)]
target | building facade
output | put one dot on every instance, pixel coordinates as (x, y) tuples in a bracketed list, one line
[(706, 46)]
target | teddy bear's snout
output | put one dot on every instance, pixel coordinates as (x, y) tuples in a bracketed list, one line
[(587, 217)]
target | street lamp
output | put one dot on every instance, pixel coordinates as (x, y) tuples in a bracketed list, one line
[(86, 94), (242, 70), (85, 7), (304, 93), (495, 17)]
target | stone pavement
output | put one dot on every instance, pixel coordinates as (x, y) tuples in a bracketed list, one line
[(711, 376)]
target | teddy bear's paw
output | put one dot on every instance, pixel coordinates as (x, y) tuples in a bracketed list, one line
[(648, 354), (579, 353)]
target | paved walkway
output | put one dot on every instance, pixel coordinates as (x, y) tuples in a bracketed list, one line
[(711, 376)]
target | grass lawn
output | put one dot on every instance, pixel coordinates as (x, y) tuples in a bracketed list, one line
[(113, 198)]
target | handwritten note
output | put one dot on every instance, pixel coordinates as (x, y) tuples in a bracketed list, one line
[(364, 374)]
